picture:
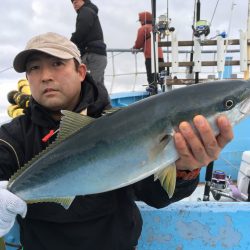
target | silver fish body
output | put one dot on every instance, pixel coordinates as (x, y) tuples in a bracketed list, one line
[(128, 145)]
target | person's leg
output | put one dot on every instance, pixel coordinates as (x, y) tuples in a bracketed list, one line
[(150, 76), (161, 68), (96, 64)]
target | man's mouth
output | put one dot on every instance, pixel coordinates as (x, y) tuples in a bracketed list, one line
[(48, 90)]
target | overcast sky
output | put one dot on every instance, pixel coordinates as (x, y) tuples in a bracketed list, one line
[(20, 20)]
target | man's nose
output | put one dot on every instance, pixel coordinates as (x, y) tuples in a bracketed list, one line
[(46, 74)]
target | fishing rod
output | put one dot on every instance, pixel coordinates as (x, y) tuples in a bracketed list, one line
[(157, 28), (192, 48), (153, 49), (168, 68), (198, 10)]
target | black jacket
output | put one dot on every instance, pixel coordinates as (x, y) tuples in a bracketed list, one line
[(107, 221), (88, 35)]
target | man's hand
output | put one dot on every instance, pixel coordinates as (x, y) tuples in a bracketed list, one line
[(197, 151), (10, 206)]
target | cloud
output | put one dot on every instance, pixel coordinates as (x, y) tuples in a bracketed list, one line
[(20, 20)]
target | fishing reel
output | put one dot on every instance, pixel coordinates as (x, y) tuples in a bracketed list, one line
[(163, 26), (222, 185), (201, 29), (219, 180), (152, 89), (164, 78), (218, 184)]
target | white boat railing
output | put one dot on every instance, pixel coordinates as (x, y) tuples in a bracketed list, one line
[(126, 72)]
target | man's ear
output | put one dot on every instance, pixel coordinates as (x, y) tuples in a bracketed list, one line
[(82, 70)]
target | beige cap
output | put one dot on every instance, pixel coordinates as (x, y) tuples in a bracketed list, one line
[(49, 43)]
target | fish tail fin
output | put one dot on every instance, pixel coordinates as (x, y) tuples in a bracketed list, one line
[(167, 178)]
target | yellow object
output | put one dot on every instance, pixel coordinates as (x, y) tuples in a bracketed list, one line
[(14, 111), (26, 90), (20, 97), (167, 178), (202, 23), (23, 86)]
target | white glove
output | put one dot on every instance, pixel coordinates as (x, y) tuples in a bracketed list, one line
[(10, 206)]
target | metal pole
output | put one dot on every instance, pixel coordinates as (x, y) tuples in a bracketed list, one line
[(246, 73), (168, 68), (208, 177), (113, 63), (153, 57)]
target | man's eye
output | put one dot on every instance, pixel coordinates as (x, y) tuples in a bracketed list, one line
[(58, 63), (31, 68)]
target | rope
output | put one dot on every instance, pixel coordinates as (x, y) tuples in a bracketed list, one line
[(214, 13), (234, 167), (3, 70)]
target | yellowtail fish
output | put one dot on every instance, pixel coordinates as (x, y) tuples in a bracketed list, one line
[(126, 145)]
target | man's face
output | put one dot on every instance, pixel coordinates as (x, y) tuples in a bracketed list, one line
[(77, 4), (54, 83)]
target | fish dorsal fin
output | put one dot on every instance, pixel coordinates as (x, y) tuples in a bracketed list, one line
[(112, 110), (72, 122)]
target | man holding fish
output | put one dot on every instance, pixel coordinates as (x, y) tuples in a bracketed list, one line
[(53, 205)]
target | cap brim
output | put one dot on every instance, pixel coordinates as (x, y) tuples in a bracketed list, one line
[(20, 61)]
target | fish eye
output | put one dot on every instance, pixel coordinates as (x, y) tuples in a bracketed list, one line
[(228, 104)]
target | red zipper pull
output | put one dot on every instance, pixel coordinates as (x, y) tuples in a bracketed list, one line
[(49, 135)]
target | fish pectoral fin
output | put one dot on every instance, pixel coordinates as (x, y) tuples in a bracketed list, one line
[(159, 146), (167, 178), (63, 201)]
